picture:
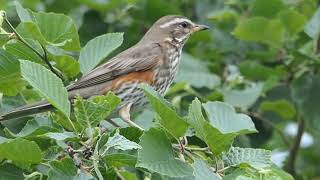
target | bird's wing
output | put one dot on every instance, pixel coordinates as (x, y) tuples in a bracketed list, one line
[(137, 59)]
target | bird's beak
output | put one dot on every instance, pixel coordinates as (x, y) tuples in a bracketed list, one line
[(199, 27)]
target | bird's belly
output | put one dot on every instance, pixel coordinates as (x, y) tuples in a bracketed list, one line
[(129, 92)]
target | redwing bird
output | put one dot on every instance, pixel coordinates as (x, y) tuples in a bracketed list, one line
[(153, 60)]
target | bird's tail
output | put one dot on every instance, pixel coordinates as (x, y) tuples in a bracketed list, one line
[(27, 110)]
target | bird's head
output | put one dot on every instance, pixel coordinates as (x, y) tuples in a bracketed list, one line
[(173, 27)]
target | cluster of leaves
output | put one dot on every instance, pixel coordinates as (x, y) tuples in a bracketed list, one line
[(261, 59)]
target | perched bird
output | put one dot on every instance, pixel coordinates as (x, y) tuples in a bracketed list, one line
[(153, 60)]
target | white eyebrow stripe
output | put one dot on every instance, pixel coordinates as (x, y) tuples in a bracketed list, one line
[(174, 21)]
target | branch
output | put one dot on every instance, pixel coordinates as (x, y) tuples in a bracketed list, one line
[(290, 166), (43, 57)]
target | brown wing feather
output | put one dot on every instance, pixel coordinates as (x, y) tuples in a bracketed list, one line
[(135, 59)]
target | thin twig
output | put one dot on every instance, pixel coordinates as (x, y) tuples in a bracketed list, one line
[(46, 60), (197, 148), (267, 121), (20, 38), (293, 153)]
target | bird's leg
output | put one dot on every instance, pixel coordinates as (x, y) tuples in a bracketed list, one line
[(125, 115)]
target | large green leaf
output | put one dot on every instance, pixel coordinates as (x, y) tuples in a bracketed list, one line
[(223, 117), (21, 51), (24, 14), (293, 21), (203, 172), (120, 159), (48, 28), (215, 139), (29, 30), (268, 8), (47, 83), (313, 26), (20, 151), (91, 112), (273, 173), (169, 119), (66, 170), (305, 93), (282, 107), (35, 127), (58, 29), (10, 81), (119, 142), (98, 49), (157, 155), (257, 158), (260, 29), (9, 171)]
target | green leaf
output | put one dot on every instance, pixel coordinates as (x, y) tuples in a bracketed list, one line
[(259, 29), (201, 76), (120, 159), (268, 8), (119, 142), (9, 171), (89, 113), (278, 172), (10, 81), (64, 169), (256, 158), (217, 140), (29, 30), (272, 173), (20, 151), (244, 98), (203, 172), (24, 14), (304, 92), (58, 30), (223, 117), (98, 49), (157, 155), (282, 107), (131, 133), (169, 119), (20, 50), (67, 64), (293, 21), (35, 127), (50, 29), (48, 84), (312, 28), (60, 136)]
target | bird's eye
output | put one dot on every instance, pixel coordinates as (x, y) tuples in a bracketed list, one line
[(184, 24)]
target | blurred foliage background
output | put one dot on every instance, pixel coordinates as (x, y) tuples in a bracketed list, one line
[(261, 56)]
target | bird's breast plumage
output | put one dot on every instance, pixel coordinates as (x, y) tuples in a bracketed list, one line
[(162, 77)]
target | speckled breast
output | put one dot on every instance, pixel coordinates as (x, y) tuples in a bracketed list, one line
[(130, 92)]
